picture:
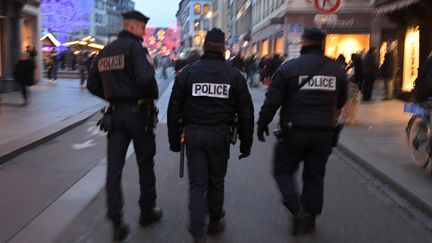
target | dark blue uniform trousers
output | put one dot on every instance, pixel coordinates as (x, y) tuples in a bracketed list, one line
[(314, 149), (207, 151), (129, 124)]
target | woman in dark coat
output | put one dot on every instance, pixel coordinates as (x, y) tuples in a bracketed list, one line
[(24, 75)]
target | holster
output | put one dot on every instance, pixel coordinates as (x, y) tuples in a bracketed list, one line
[(336, 133), (233, 131), (284, 130)]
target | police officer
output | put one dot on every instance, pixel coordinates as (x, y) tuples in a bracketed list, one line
[(123, 75), (207, 95), (307, 118)]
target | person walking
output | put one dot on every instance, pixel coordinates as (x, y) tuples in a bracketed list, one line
[(207, 96), (311, 90), (370, 70), (82, 66), (123, 75), (251, 69), (388, 71), (24, 75)]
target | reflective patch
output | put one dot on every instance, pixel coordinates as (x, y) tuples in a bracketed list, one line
[(111, 63), (211, 90), (324, 83)]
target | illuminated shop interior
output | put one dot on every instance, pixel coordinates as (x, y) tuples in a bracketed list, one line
[(346, 44), (411, 58)]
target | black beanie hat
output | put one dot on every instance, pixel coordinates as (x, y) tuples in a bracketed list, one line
[(215, 35), (314, 34)]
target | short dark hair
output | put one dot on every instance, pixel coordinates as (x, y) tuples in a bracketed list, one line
[(214, 47)]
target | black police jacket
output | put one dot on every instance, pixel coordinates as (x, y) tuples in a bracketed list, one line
[(211, 92), (123, 71), (316, 103)]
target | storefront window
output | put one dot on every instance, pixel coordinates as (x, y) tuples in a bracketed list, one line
[(197, 40), (346, 44), (206, 9), (254, 48), (411, 58), (197, 8), (264, 48), (279, 45)]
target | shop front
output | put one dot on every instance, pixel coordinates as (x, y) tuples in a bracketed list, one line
[(347, 33), (414, 34), (19, 28)]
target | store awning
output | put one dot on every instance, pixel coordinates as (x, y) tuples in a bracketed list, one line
[(50, 40), (388, 6)]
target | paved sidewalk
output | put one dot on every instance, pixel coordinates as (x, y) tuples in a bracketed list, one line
[(54, 108), (378, 142)]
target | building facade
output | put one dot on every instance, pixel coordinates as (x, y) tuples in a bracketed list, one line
[(277, 26), (194, 18), (19, 28), (219, 10)]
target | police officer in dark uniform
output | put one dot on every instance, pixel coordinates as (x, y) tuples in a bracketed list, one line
[(123, 74), (307, 119), (206, 96)]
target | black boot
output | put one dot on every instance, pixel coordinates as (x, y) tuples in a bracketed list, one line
[(199, 238), (216, 226), (309, 223), (148, 217), (297, 224), (121, 232)]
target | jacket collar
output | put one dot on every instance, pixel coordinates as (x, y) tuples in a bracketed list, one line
[(213, 56), (125, 33), (312, 49)]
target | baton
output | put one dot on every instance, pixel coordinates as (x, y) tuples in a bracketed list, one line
[(182, 153)]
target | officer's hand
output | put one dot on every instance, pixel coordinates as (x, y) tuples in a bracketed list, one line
[(104, 123), (260, 133)]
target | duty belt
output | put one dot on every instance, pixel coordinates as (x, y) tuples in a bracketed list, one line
[(132, 104)]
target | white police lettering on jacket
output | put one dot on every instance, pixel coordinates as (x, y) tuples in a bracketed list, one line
[(211, 90), (323, 83), (111, 63)]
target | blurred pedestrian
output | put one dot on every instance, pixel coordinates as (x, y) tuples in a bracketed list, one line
[(53, 68), (32, 52), (82, 66), (251, 69), (342, 61), (388, 71), (274, 64), (24, 75), (207, 96), (124, 76), (370, 70)]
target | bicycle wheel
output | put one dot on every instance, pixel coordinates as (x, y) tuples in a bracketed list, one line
[(419, 137)]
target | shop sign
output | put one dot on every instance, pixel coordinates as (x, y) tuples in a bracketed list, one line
[(295, 32), (341, 23), (327, 6), (325, 19)]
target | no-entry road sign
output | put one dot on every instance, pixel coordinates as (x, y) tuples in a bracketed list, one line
[(327, 6)]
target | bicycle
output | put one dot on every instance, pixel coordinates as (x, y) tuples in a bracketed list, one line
[(419, 132)]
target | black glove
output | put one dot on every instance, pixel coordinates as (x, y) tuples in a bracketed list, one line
[(260, 132), (244, 155), (244, 152), (104, 123), (175, 148)]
